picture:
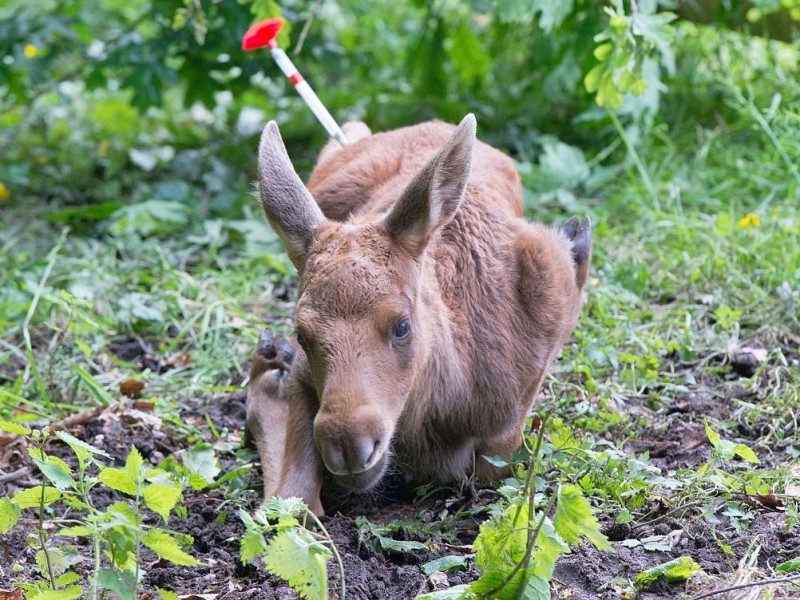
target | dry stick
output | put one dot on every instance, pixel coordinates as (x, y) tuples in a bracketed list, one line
[(751, 584), (14, 475), (306, 28)]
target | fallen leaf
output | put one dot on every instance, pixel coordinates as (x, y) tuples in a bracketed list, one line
[(132, 388), (15, 594), (144, 405), (766, 501), (178, 360)]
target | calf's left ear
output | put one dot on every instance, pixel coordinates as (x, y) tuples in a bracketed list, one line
[(435, 194)]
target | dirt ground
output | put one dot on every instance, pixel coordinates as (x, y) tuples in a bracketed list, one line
[(674, 439)]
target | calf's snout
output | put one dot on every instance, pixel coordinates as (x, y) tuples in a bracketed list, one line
[(350, 442)]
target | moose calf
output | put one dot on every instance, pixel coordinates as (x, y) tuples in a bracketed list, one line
[(428, 310)]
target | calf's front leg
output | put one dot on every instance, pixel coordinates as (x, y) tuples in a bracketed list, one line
[(280, 419)]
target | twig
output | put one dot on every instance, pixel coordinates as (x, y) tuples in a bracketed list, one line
[(751, 584), (14, 475), (298, 47)]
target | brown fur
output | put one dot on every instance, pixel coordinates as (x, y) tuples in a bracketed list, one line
[(435, 235)]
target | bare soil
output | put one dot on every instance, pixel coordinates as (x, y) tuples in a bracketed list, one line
[(674, 438)]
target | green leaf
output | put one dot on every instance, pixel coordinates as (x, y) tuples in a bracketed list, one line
[(789, 566), (61, 558), (81, 449), (161, 498), (745, 452), (76, 531), (32, 497), (201, 460), (445, 563), (70, 593), (713, 436), (13, 428), (67, 578), (54, 469), (251, 546), (295, 556), (9, 514), (384, 543), (167, 595), (574, 517), (118, 479), (167, 547), (153, 217), (501, 540), (121, 583), (453, 593), (674, 571)]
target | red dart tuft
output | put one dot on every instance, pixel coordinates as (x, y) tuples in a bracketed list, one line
[(262, 34)]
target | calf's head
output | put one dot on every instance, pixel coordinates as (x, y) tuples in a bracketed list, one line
[(358, 316)]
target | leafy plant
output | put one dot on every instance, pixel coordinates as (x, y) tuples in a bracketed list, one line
[(293, 553), (117, 533)]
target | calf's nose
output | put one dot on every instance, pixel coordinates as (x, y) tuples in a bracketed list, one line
[(350, 444), (349, 456)]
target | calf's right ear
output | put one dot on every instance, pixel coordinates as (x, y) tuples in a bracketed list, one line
[(287, 203)]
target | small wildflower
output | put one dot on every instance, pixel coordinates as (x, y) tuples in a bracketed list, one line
[(30, 51), (750, 220), (5, 193)]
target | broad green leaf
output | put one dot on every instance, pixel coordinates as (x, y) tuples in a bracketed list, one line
[(713, 436), (60, 558), (201, 460), (67, 578), (251, 546), (574, 517), (294, 555), (76, 531), (133, 464), (501, 540), (384, 543), (523, 585), (13, 428), (54, 469), (70, 593), (121, 583), (445, 563), (119, 480), (81, 449), (549, 548), (161, 498), (674, 571), (789, 566), (9, 514), (467, 55), (745, 452), (167, 595), (168, 548), (32, 497), (453, 593)]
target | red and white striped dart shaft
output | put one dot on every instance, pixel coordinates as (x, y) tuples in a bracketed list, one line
[(263, 34)]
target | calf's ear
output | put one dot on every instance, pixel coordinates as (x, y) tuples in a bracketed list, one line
[(287, 203), (435, 194)]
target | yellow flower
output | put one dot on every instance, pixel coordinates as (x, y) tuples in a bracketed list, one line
[(750, 220), (5, 194), (30, 51)]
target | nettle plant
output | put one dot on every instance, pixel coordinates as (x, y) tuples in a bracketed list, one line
[(117, 533), (516, 550)]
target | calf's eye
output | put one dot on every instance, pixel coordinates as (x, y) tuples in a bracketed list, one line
[(402, 329), (301, 341)]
